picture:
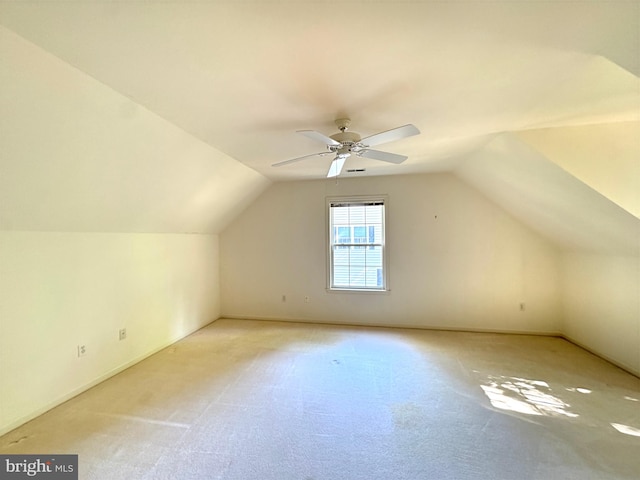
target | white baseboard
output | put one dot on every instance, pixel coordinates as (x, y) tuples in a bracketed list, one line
[(4, 429), (545, 333), (622, 365)]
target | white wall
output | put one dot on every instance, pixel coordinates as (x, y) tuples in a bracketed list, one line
[(58, 290), (599, 240), (455, 259), (601, 295), (77, 156)]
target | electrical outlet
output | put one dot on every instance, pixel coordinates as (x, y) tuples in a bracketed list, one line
[(122, 334), (82, 350)]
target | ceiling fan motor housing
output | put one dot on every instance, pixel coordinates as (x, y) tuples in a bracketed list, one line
[(346, 137), (349, 143)]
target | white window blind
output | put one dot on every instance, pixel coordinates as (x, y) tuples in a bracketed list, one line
[(356, 244)]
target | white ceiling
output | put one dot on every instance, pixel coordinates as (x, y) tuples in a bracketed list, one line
[(544, 196), (165, 116), (243, 76)]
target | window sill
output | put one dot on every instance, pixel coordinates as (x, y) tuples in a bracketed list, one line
[(358, 290)]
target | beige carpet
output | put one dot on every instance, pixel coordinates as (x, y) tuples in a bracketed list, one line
[(247, 400)]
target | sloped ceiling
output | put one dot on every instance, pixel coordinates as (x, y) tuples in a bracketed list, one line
[(238, 78), (604, 156), (77, 156), (549, 199)]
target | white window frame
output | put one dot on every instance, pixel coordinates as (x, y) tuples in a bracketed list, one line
[(355, 200)]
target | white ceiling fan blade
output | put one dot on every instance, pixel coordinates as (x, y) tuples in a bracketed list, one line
[(279, 164), (391, 135), (384, 156), (319, 137), (336, 167)]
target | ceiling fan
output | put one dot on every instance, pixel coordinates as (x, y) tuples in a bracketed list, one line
[(344, 144)]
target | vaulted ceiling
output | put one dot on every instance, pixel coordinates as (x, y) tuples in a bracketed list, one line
[(222, 86)]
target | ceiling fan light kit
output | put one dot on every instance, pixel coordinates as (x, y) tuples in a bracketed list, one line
[(344, 144)]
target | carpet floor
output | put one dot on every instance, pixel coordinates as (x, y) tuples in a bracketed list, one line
[(253, 400)]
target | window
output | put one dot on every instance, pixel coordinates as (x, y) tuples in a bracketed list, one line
[(356, 244)]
